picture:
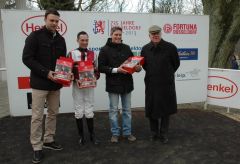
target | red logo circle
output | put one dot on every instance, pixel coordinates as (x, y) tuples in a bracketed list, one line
[(37, 22), (167, 28), (222, 88)]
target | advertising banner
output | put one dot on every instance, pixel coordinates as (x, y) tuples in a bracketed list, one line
[(189, 33), (223, 87)]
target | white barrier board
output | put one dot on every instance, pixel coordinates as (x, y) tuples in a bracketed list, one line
[(223, 87), (189, 33)]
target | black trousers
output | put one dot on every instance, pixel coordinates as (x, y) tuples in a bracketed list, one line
[(164, 125)]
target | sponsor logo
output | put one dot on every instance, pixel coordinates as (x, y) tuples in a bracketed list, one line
[(98, 26), (129, 27), (167, 28), (188, 53), (221, 87), (188, 75), (95, 49), (133, 48), (24, 83), (178, 28), (37, 22), (136, 50)]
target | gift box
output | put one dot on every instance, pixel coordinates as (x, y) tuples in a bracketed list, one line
[(63, 68), (86, 76), (131, 62)]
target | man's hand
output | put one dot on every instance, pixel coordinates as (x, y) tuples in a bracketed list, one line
[(51, 76), (78, 83), (138, 68), (121, 70), (70, 76)]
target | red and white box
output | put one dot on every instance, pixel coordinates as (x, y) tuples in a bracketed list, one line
[(86, 76), (130, 64), (62, 70)]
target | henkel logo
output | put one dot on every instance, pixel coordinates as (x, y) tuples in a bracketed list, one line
[(37, 22), (221, 87), (178, 28)]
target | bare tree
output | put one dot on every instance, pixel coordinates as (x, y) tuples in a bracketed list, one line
[(193, 7), (93, 5), (20, 4), (166, 6), (79, 5), (57, 4), (197, 7), (153, 6), (177, 7), (120, 5), (10, 4), (141, 5), (15, 4)]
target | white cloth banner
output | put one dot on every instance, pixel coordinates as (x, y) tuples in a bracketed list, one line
[(188, 32), (223, 87)]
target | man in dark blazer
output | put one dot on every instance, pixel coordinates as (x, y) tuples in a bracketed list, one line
[(161, 62)]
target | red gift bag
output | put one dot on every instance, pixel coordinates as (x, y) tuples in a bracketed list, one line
[(86, 75), (63, 68)]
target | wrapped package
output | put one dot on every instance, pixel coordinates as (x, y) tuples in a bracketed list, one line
[(86, 75), (62, 70), (131, 62)]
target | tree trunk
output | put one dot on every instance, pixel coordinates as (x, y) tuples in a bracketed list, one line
[(224, 30), (153, 6)]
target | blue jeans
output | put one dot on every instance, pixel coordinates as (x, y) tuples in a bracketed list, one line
[(126, 113)]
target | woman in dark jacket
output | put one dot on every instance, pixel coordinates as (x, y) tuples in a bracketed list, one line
[(118, 82), (161, 62)]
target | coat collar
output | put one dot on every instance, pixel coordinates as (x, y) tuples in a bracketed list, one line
[(159, 45), (111, 44), (82, 49), (50, 33)]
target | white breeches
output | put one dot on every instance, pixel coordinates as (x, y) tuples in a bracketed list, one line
[(83, 100)]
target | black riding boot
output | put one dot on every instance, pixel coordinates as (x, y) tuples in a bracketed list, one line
[(90, 125), (80, 131)]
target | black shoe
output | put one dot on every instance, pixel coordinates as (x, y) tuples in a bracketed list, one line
[(81, 141), (154, 136), (52, 146), (164, 139), (94, 140), (37, 156)]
